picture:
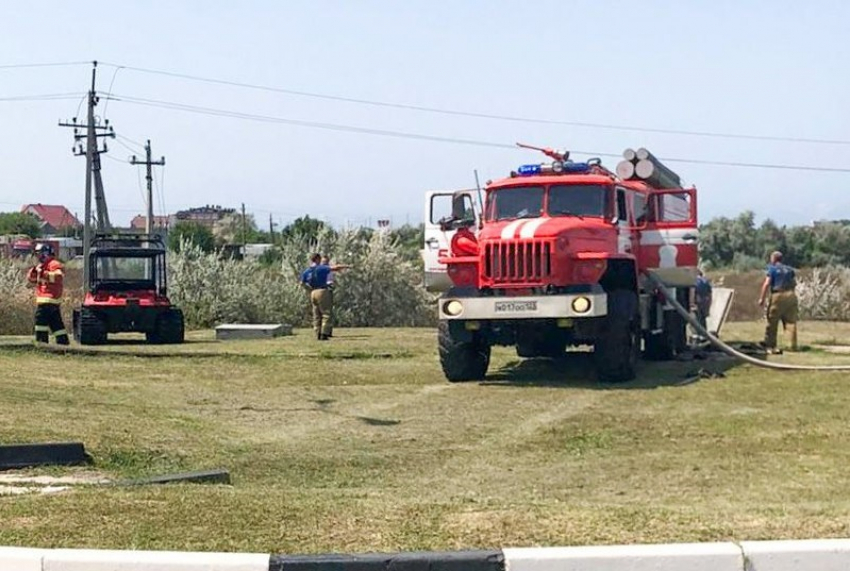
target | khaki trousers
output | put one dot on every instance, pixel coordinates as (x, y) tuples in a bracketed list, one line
[(783, 307), (323, 310)]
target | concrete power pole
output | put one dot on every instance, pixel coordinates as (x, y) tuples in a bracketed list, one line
[(271, 228), (93, 130), (244, 228), (148, 163)]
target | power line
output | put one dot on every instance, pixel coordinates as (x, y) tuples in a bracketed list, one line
[(42, 97), (433, 138), (125, 145), (492, 116), (129, 140), (48, 64)]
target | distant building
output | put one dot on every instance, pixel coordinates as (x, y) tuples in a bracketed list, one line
[(159, 222), (53, 217), (205, 215)]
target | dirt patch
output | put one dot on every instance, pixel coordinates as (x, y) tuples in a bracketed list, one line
[(18, 484)]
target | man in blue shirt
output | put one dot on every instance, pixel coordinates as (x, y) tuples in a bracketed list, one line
[(702, 299), (782, 303), (315, 280)]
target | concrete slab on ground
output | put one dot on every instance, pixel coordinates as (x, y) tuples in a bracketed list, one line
[(228, 331)]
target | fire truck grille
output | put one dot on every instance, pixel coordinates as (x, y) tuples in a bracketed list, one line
[(526, 262)]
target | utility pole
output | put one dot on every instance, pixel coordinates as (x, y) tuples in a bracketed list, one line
[(244, 227), (271, 228), (148, 163), (92, 154)]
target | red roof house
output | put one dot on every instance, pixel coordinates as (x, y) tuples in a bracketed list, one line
[(139, 222), (54, 217)]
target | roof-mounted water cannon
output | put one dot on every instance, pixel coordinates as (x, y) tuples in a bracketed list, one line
[(561, 165), (551, 153)]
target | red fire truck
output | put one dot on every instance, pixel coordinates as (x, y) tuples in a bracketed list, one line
[(558, 257)]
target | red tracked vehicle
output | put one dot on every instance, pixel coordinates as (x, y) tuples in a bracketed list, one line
[(559, 258), (127, 292)]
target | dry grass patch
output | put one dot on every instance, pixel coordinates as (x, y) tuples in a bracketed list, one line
[(360, 445)]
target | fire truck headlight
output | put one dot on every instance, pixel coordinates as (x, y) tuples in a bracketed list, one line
[(453, 308), (581, 304)]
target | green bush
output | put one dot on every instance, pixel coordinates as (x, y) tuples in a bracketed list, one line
[(381, 289), (825, 294), (16, 303)]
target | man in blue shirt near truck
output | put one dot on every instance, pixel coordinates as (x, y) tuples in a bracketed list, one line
[(315, 280), (702, 301), (780, 282)]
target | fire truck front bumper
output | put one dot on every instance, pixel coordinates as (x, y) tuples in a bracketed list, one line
[(577, 305)]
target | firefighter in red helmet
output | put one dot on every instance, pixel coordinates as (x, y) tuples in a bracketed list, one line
[(48, 277)]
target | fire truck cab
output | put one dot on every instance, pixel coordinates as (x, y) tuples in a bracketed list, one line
[(559, 258)]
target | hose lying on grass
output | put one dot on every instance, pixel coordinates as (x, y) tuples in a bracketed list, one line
[(671, 299)]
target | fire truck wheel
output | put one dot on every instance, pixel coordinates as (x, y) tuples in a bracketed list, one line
[(668, 343), (169, 328), (462, 360), (617, 349), (89, 328)]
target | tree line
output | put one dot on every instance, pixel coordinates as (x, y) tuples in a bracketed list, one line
[(739, 244), (305, 230), (734, 243)]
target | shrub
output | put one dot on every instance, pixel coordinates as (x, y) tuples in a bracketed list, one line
[(212, 290), (825, 294), (381, 289), (16, 304)]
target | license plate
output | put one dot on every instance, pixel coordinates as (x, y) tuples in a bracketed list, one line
[(515, 306)]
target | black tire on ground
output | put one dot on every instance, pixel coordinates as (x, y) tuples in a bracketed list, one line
[(671, 341), (169, 328), (617, 350), (462, 360), (89, 328)]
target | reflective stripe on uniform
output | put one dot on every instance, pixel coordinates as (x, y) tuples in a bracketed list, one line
[(60, 332), (41, 328), (52, 300)]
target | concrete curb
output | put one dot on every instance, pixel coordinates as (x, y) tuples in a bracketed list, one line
[(665, 557), (807, 555)]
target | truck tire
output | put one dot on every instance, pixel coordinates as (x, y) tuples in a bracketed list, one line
[(668, 343), (169, 328), (89, 328), (462, 360), (617, 349)]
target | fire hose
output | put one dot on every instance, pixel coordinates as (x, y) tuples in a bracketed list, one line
[(691, 320)]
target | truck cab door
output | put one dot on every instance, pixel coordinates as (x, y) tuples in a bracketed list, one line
[(670, 239), (626, 236), (442, 212)]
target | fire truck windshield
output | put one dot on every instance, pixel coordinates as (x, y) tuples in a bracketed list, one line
[(516, 202), (563, 200), (577, 200)]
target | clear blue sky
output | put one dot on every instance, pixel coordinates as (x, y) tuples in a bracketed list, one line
[(776, 68)]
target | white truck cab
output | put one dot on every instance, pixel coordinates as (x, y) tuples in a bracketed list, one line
[(438, 234)]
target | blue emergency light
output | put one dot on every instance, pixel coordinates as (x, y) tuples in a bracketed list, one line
[(576, 167), (528, 170)]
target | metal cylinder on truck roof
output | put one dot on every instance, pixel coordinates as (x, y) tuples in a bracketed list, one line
[(625, 170), (630, 155), (661, 175), (657, 175)]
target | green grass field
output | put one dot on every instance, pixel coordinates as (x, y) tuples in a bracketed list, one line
[(360, 445)]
